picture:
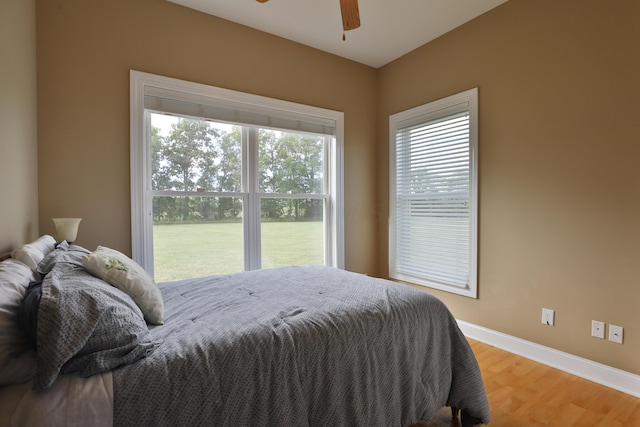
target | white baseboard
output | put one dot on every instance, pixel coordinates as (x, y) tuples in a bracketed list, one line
[(617, 379)]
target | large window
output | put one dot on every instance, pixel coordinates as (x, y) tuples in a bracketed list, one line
[(433, 194), (223, 181)]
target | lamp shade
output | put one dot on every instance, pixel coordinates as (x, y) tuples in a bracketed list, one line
[(66, 228)]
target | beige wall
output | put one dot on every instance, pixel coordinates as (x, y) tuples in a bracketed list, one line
[(85, 52), (18, 136), (559, 146), (559, 132)]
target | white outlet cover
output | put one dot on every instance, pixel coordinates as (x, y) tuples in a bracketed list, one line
[(616, 333), (597, 329), (547, 316)]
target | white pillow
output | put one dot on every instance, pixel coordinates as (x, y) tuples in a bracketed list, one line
[(125, 274), (32, 253), (17, 358)]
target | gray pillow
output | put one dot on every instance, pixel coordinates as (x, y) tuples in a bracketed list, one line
[(85, 325)]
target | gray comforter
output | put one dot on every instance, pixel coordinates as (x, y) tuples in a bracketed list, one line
[(299, 346)]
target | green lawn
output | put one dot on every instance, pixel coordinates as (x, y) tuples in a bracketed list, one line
[(192, 250)]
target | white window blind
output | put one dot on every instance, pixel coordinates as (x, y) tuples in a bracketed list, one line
[(227, 110), (433, 195)]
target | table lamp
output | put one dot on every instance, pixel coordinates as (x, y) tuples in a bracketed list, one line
[(66, 229)]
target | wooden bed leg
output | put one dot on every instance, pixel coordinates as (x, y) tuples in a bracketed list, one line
[(455, 411)]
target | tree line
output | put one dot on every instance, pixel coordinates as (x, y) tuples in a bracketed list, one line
[(196, 156)]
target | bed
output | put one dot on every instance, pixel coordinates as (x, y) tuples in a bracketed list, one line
[(294, 346)]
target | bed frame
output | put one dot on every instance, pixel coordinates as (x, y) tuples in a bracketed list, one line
[(465, 419)]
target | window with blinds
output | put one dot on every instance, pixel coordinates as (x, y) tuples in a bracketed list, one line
[(433, 194), (230, 176)]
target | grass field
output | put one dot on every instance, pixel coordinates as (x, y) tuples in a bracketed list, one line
[(193, 250)]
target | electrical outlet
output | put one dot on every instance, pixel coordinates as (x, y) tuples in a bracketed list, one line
[(547, 316), (597, 329), (615, 333)]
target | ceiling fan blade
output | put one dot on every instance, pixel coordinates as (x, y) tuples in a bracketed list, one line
[(350, 14)]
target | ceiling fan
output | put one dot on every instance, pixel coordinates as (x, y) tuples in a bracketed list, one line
[(350, 14)]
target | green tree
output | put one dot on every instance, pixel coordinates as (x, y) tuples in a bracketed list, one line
[(269, 174), (189, 154), (300, 169), (290, 163), (229, 172), (162, 206)]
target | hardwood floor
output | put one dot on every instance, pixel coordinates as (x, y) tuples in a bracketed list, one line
[(523, 393)]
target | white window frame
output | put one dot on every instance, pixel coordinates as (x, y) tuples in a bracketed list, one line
[(141, 192), (467, 100)]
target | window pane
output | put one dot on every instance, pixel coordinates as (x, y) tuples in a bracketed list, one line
[(196, 236), (290, 162), (201, 141), (433, 238), (194, 155), (292, 232), (432, 197)]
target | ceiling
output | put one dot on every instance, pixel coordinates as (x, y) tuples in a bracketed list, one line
[(390, 28)]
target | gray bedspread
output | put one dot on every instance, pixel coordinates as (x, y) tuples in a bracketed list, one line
[(299, 346)]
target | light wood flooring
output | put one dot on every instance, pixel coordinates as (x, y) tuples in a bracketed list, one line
[(523, 393)]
